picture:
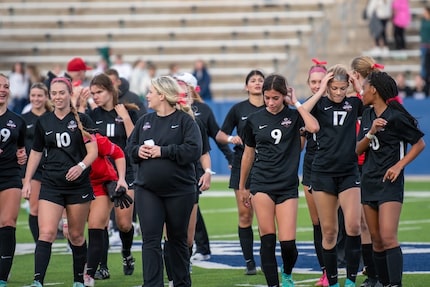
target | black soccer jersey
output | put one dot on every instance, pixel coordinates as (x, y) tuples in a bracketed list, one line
[(181, 146), (65, 148), (12, 136), (236, 119), (336, 138), (30, 121), (385, 150), (276, 139)]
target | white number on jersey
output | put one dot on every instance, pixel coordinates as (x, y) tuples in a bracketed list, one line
[(339, 118), (110, 130), (277, 135), (4, 135), (63, 139)]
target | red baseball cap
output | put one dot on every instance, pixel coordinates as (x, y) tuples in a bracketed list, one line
[(77, 64)]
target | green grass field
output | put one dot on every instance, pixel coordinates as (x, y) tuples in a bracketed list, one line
[(221, 220)]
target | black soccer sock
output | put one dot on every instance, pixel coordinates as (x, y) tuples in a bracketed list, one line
[(95, 249), (7, 250), (79, 260), (353, 254), (395, 265), (330, 262), (246, 237), (289, 255), (105, 246), (127, 241), (318, 245), (268, 259), (42, 255), (367, 253), (34, 226), (380, 259), (167, 260)]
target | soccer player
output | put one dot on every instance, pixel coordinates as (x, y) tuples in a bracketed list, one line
[(236, 119), (116, 121), (272, 149), (335, 178), (12, 156), (315, 75), (386, 130), (40, 104), (165, 146), (66, 182)]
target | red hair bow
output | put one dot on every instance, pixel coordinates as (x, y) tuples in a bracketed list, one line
[(317, 62), (378, 66), (182, 99)]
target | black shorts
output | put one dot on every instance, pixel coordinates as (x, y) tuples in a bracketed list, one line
[(235, 178), (66, 197), (10, 182), (334, 184), (280, 197), (307, 169), (380, 192)]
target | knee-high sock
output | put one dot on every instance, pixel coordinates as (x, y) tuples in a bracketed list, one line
[(246, 238), (79, 260), (42, 255), (289, 255), (268, 259), (395, 265), (34, 226), (330, 262), (127, 241), (7, 250), (105, 246), (95, 249), (353, 253), (367, 254), (381, 267), (318, 245)]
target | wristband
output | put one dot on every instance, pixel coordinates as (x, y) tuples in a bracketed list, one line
[(229, 139), (208, 170), (82, 165), (297, 104), (370, 136)]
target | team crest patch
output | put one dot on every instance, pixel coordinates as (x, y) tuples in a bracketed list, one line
[(146, 126), (72, 125), (11, 124), (286, 122), (118, 119), (347, 106)]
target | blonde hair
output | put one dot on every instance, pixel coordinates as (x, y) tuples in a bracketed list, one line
[(340, 73), (167, 86), (41, 86), (364, 65)]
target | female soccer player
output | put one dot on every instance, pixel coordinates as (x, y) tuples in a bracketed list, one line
[(236, 119), (65, 183), (12, 156), (386, 130), (335, 178), (40, 104), (116, 121), (272, 149), (165, 145)]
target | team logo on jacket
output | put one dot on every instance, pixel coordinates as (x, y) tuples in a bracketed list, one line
[(72, 125), (146, 126), (347, 106), (118, 119), (11, 124), (286, 122)]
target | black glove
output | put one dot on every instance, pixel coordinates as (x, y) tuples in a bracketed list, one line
[(119, 197)]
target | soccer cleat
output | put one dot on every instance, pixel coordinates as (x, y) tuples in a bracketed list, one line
[(323, 281), (102, 274), (78, 284), (349, 283), (371, 282), (36, 284), (128, 265), (171, 284), (200, 257), (88, 281), (287, 279), (3, 283), (250, 268)]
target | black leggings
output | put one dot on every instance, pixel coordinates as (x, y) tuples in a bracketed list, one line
[(153, 212)]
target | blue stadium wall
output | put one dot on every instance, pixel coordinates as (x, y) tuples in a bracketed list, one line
[(418, 108)]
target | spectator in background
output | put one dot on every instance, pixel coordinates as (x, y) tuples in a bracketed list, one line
[(138, 77), (425, 41), (402, 86), (401, 20), (151, 70), (419, 91), (124, 69), (383, 13), (173, 69), (19, 86), (203, 79), (76, 69)]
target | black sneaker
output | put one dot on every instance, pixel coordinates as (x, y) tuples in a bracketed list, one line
[(250, 268), (371, 282), (128, 265), (102, 274)]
